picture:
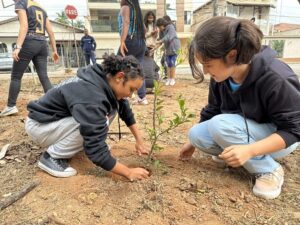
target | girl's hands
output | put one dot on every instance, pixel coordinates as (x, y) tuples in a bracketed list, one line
[(15, 54), (123, 48), (186, 152), (237, 155), (55, 57)]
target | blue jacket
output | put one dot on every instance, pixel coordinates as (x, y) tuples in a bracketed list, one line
[(88, 44)]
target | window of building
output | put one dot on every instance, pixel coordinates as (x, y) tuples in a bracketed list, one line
[(3, 47), (232, 11), (187, 17)]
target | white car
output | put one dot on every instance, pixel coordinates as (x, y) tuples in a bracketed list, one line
[(6, 61)]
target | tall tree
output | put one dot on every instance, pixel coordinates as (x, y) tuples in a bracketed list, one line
[(62, 18)]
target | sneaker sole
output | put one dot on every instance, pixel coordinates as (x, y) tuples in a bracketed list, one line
[(56, 173), (216, 159), (269, 195)]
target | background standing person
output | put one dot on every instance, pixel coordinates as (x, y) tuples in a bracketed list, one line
[(31, 45), (75, 115), (151, 31), (163, 57), (251, 118), (132, 42), (88, 46), (171, 44)]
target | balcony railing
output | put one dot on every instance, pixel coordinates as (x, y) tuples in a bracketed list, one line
[(104, 26), (102, 1), (118, 1)]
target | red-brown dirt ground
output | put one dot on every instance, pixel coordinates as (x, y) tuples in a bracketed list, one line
[(196, 192)]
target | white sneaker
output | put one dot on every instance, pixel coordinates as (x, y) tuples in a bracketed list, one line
[(141, 101), (7, 111), (268, 185), (168, 82), (172, 82)]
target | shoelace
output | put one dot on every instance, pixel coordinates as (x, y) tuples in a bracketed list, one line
[(268, 176), (60, 163)]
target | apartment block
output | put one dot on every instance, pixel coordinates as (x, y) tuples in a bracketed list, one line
[(102, 20)]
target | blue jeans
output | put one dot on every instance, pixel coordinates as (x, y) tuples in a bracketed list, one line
[(224, 130)]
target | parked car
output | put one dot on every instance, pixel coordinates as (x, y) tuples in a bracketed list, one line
[(6, 61)]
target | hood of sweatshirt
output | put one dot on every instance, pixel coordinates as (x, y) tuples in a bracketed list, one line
[(97, 77), (258, 66)]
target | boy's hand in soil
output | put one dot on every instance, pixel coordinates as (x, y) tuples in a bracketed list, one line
[(137, 174), (236, 155), (186, 152)]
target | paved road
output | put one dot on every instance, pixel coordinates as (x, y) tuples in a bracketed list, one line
[(184, 71)]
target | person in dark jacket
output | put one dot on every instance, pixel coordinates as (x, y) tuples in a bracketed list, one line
[(76, 114), (150, 69), (252, 117), (88, 46)]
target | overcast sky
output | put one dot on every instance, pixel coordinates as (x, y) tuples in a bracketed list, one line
[(286, 11)]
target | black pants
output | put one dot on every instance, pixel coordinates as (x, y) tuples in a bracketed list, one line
[(163, 63), (36, 51), (90, 56)]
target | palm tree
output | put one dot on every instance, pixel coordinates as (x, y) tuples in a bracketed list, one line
[(62, 18), (80, 24)]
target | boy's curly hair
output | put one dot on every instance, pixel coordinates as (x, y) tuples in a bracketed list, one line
[(112, 64)]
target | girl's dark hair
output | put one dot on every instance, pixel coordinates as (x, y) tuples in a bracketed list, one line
[(162, 22), (138, 25), (216, 37), (167, 18), (112, 64), (149, 13)]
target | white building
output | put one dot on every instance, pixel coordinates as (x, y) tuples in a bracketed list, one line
[(64, 36)]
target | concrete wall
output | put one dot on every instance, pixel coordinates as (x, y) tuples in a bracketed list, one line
[(160, 10), (180, 15), (290, 46)]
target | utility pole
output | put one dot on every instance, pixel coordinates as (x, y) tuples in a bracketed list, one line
[(215, 7)]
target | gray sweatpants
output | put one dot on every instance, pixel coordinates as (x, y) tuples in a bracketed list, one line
[(61, 138)]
